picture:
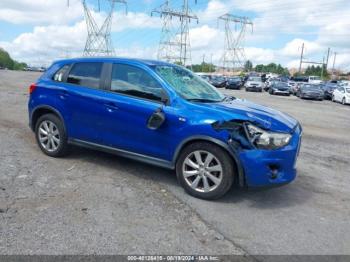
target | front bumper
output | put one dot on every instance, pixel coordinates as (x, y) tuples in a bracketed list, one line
[(254, 88), (281, 92), (271, 167), (312, 96)]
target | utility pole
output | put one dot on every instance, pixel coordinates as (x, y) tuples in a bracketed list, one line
[(301, 57), (175, 47), (333, 67), (234, 54), (203, 62), (99, 40), (328, 51), (323, 64)]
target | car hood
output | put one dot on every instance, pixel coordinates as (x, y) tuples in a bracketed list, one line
[(269, 118)]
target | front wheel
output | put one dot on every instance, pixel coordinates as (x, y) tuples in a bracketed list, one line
[(205, 170)]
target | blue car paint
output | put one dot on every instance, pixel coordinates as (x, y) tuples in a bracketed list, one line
[(119, 121)]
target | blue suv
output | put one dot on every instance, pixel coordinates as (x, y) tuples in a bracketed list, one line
[(164, 115)]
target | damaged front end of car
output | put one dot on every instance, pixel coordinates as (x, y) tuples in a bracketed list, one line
[(267, 157)]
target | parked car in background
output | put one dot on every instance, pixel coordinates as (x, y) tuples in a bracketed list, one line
[(205, 77), (279, 88), (328, 89), (314, 80), (144, 110), (291, 86), (344, 83), (217, 81), (296, 87), (268, 83), (234, 83), (308, 91), (342, 94), (254, 84)]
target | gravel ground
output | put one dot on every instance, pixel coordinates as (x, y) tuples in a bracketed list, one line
[(95, 203)]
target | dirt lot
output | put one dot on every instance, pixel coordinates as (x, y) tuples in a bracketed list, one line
[(91, 202)]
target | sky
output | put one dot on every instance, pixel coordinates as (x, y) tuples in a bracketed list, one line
[(38, 32)]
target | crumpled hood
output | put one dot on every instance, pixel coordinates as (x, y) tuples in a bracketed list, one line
[(269, 118)]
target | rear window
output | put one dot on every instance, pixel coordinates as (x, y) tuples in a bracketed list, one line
[(85, 74), (59, 75)]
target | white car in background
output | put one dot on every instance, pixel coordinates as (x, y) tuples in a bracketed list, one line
[(342, 94), (254, 83), (315, 80)]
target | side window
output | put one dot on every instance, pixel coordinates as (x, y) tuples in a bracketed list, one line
[(85, 74), (58, 76), (135, 81)]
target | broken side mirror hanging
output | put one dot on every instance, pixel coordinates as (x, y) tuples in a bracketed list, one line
[(156, 119)]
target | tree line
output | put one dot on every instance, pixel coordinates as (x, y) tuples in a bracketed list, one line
[(7, 62)]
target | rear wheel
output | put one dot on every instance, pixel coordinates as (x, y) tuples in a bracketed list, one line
[(205, 170), (51, 136)]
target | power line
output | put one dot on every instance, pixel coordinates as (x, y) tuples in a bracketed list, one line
[(174, 46), (99, 40), (234, 54)]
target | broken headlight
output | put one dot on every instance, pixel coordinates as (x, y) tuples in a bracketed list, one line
[(265, 139)]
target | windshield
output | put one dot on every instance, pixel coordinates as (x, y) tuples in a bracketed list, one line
[(188, 85), (280, 85), (254, 79), (315, 78)]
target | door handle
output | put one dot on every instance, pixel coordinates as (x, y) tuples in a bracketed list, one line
[(63, 94), (111, 106)]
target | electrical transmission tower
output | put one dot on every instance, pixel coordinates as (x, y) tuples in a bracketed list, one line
[(174, 46), (234, 55), (99, 40)]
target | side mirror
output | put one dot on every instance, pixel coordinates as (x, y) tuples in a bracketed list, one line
[(156, 120), (164, 97)]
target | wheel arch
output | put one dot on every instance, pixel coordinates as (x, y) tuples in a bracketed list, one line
[(42, 110), (232, 154)]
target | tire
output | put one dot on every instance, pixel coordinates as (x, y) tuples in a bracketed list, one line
[(333, 100), (54, 128), (221, 159), (343, 101)]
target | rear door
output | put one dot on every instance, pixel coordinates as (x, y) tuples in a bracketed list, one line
[(81, 96)]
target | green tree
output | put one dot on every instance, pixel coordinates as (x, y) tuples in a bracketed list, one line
[(248, 66), (203, 67), (272, 68), (7, 62)]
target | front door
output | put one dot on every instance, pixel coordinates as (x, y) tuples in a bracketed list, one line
[(134, 96)]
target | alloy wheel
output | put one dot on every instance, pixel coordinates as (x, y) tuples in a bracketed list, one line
[(202, 171), (49, 136)]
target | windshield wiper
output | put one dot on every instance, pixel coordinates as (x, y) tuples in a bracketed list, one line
[(228, 98), (203, 100)]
